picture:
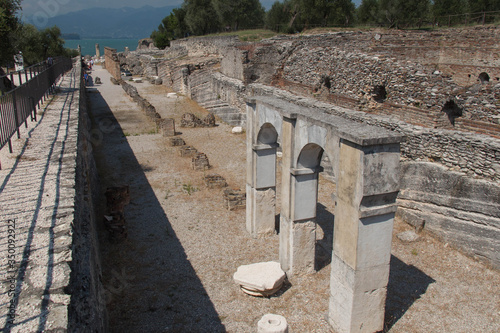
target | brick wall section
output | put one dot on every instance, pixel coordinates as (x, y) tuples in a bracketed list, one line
[(112, 62)]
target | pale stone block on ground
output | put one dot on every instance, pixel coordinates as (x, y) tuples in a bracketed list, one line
[(260, 279), (272, 323), (237, 130)]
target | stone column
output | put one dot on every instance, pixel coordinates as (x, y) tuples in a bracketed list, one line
[(302, 225), (367, 186), (97, 51), (261, 180), (287, 235)]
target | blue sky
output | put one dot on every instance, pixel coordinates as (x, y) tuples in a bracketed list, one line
[(51, 8)]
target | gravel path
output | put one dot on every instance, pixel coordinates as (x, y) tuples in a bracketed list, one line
[(36, 212), (174, 271)]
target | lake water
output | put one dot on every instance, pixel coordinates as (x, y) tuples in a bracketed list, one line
[(88, 45)]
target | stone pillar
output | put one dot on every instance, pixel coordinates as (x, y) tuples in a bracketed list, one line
[(298, 222), (261, 180), (286, 224), (367, 186), (97, 51)]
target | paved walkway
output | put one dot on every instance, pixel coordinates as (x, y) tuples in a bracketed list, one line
[(36, 210)]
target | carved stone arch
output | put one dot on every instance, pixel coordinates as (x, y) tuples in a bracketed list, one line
[(267, 134), (310, 156)]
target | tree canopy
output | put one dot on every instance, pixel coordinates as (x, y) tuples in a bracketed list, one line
[(8, 25), (199, 17)]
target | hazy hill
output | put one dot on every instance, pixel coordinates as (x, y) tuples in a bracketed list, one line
[(112, 23)]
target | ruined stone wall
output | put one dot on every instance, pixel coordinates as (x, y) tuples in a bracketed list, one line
[(205, 46), (461, 53), (327, 72), (331, 68), (112, 62), (87, 310)]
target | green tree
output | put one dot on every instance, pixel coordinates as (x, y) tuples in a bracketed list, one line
[(201, 17), (177, 23), (367, 12), (238, 14), (172, 27), (311, 13), (8, 25), (37, 45), (341, 13), (52, 43), (449, 7), (28, 41), (161, 36), (477, 6), (401, 13), (278, 17)]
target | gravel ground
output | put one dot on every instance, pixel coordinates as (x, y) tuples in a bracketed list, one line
[(174, 271)]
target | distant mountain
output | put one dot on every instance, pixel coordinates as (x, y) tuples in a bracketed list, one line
[(124, 22)]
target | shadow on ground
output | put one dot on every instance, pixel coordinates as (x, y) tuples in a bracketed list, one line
[(406, 284), (150, 284)]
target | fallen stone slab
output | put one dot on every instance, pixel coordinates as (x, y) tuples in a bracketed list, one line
[(260, 279), (272, 323)]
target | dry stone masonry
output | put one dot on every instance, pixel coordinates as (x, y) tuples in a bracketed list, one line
[(214, 181)]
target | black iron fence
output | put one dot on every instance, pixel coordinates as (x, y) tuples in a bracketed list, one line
[(33, 86)]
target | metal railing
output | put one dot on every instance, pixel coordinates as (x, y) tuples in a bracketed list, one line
[(20, 103)]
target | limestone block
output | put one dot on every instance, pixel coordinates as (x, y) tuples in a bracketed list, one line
[(237, 130), (272, 323), (303, 247), (260, 279), (166, 126)]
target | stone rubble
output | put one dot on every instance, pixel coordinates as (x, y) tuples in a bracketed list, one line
[(260, 279)]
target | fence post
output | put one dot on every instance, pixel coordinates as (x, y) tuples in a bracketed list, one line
[(15, 113)]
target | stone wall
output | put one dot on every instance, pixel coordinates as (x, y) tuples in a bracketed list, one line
[(112, 62), (331, 68), (205, 46), (87, 310), (460, 210)]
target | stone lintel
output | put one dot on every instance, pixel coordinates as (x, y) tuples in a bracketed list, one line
[(305, 171), (358, 133), (262, 146), (379, 210)]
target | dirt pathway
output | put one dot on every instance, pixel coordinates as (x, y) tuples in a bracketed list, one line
[(174, 271)]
